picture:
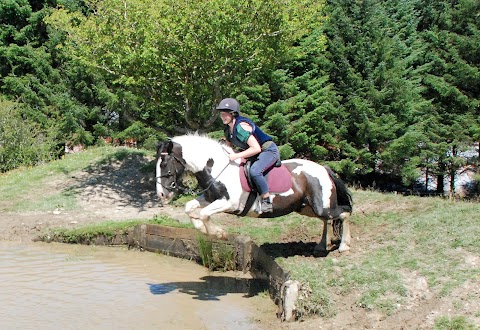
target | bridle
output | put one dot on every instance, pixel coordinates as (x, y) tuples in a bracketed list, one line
[(174, 186), (175, 174)]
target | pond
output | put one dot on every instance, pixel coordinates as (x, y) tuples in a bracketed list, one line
[(53, 286)]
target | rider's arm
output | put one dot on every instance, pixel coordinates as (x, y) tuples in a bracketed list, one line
[(254, 147)]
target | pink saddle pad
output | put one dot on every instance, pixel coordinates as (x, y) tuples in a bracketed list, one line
[(279, 179)]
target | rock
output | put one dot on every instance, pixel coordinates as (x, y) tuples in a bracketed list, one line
[(289, 291)]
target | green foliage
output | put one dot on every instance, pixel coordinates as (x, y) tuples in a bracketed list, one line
[(60, 96), (183, 52), (372, 53), (403, 157), (450, 31), (21, 142), (286, 151), (349, 84), (304, 112)]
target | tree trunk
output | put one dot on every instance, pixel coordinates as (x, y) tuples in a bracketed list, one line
[(426, 179), (440, 184)]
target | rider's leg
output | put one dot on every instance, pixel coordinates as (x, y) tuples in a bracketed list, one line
[(266, 159), (262, 186)]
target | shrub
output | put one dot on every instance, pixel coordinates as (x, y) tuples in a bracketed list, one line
[(21, 143)]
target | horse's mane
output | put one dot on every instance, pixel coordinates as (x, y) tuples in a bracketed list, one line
[(197, 149), (196, 139)]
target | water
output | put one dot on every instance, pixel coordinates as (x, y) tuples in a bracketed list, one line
[(57, 286)]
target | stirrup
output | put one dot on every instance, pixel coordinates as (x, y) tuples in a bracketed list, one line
[(265, 207)]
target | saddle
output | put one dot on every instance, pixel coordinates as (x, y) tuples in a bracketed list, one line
[(278, 177)]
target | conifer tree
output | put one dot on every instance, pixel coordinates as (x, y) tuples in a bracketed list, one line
[(373, 49), (451, 32)]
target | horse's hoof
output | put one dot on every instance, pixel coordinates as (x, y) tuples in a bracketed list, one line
[(222, 236), (343, 248), (199, 225)]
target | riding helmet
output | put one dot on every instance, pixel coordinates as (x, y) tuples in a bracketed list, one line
[(230, 105)]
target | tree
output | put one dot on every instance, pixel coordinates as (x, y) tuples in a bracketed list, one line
[(180, 57), (451, 31), (295, 102), (373, 49), (304, 112)]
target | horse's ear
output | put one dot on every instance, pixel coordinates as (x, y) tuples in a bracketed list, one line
[(165, 147), (169, 146), (158, 146)]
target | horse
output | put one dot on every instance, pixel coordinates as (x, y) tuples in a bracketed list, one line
[(312, 189)]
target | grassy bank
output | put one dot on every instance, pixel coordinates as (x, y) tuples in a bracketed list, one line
[(399, 243), (405, 250)]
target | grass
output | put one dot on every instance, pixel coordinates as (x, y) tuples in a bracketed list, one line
[(216, 256), (89, 232), (20, 188), (455, 323), (404, 238), (107, 229), (396, 240)]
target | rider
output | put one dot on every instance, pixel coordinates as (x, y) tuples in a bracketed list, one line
[(254, 145)]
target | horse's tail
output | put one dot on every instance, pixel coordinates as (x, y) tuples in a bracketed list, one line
[(344, 197)]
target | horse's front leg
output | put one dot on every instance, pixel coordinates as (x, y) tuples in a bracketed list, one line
[(191, 208), (202, 220)]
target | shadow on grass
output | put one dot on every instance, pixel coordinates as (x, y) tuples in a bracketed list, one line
[(126, 178), (290, 249)]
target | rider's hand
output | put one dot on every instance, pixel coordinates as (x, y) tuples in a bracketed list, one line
[(232, 156)]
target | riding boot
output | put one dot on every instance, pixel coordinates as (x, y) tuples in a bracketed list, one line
[(266, 205)]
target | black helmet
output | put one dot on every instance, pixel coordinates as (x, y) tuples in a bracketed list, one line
[(229, 105)]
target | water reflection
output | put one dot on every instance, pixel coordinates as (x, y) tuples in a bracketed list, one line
[(76, 287)]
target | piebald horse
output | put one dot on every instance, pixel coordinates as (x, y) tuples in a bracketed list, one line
[(309, 188)]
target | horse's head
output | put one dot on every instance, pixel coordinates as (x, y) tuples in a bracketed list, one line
[(169, 170)]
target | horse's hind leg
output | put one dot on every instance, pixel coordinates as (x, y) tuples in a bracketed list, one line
[(345, 239), (322, 247), (325, 244)]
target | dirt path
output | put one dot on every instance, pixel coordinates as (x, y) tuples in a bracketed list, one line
[(115, 191)]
